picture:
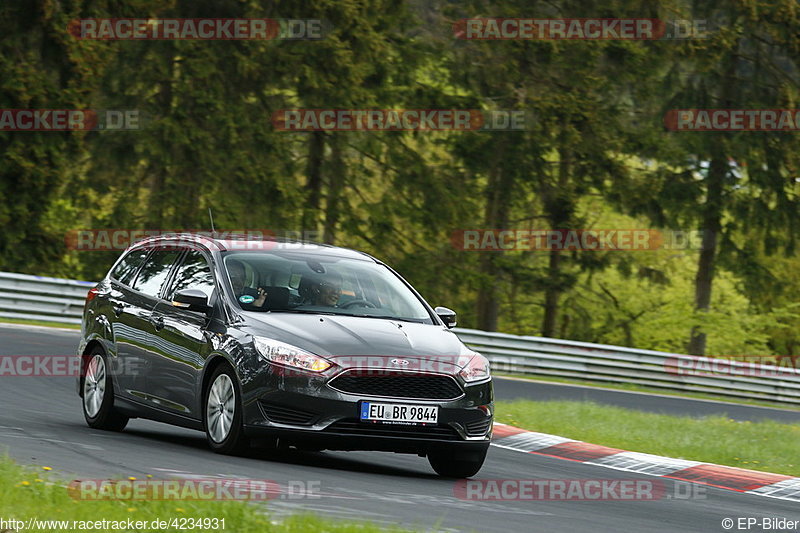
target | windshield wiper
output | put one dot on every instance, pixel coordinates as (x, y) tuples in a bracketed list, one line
[(331, 313), (389, 317), (302, 311)]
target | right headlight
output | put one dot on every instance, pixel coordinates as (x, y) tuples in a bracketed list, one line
[(285, 354), (475, 368)]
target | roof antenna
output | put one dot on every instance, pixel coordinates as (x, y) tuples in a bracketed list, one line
[(211, 218)]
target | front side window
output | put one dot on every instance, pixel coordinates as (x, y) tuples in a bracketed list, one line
[(154, 273), (194, 273), (126, 269)]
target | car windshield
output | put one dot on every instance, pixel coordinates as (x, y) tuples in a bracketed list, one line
[(299, 282)]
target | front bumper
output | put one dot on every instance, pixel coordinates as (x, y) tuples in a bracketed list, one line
[(306, 411), (332, 440)]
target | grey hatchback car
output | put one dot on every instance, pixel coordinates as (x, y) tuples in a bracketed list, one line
[(281, 344)]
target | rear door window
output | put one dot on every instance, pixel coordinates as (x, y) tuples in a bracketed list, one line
[(153, 275), (126, 269)]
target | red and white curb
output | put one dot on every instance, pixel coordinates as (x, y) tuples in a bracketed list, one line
[(724, 477)]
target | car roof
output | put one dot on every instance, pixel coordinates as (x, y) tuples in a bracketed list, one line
[(253, 244)]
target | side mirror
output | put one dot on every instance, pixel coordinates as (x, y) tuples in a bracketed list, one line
[(448, 316), (191, 300)]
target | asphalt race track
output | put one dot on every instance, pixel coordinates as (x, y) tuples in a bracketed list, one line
[(41, 424)]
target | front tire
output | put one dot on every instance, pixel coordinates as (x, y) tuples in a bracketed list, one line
[(98, 395), (457, 464), (223, 413)]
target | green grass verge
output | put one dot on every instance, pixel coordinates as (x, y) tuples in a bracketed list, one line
[(39, 323), (28, 492), (630, 387), (766, 445)]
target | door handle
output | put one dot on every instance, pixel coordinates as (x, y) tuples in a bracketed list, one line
[(118, 309), (157, 321)]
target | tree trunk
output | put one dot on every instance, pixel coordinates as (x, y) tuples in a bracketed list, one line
[(710, 226), (559, 211), (488, 303), (316, 155), (498, 204), (711, 222), (333, 198), (161, 182), (551, 295)]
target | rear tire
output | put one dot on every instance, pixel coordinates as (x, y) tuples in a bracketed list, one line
[(457, 464), (222, 418), (98, 394)]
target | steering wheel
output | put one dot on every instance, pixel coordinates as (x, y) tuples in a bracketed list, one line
[(362, 303)]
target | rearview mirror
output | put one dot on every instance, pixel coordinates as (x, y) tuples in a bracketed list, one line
[(448, 316), (191, 300)]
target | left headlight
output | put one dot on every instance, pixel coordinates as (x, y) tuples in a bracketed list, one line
[(475, 368), (285, 354)]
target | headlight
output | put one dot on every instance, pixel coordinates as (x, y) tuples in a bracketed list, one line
[(285, 354), (475, 368)]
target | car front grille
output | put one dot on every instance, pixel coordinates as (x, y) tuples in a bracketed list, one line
[(286, 415), (399, 385), (478, 428), (356, 428)]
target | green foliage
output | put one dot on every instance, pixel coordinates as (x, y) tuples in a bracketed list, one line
[(594, 155)]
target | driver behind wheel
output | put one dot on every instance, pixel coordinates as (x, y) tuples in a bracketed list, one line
[(322, 291)]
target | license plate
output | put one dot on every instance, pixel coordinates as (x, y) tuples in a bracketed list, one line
[(394, 413)]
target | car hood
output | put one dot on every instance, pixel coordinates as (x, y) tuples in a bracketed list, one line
[(352, 341)]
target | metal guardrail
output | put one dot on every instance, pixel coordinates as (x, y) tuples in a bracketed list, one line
[(61, 300), (544, 356), (42, 298)]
